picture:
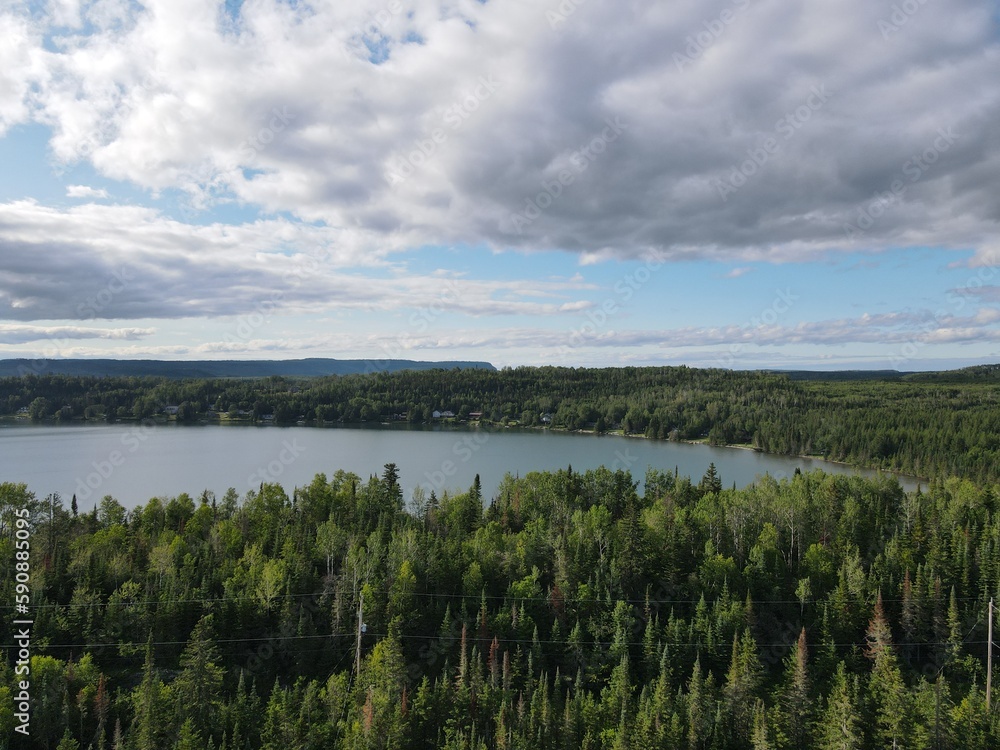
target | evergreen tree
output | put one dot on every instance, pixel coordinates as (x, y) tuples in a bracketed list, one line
[(796, 696), (742, 682), (151, 724), (888, 693), (839, 728), (197, 688)]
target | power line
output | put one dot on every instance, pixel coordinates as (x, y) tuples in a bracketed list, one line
[(476, 597), (450, 639)]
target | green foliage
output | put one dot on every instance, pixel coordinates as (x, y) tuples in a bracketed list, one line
[(817, 611), (925, 425)]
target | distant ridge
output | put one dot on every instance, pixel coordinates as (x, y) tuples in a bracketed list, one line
[(842, 374), (256, 368), (974, 374)]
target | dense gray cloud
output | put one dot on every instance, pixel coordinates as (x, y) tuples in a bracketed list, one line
[(763, 129), (127, 263)]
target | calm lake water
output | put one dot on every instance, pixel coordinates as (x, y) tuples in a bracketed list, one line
[(136, 462)]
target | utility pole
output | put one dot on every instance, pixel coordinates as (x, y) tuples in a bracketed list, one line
[(989, 658), (357, 650)]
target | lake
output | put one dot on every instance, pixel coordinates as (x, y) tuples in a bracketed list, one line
[(134, 462)]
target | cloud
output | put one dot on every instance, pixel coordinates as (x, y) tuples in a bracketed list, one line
[(882, 338), (84, 191), (284, 106), (20, 334), (989, 294), (884, 329), (736, 273), (22, 64), (124, 262)]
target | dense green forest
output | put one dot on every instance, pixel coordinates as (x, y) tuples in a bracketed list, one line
[(573, 612), (213, 368), (931, 424)]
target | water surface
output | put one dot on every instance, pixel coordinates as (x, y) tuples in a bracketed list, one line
[(136, 462)]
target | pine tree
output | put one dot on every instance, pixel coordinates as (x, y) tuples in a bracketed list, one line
[(198, 688), (189, 737), (701, 709), (954, 647), (761, 737), (151, 723), (742, 682), (840, 725), (888, 693), (67, 742), (796, 695), (911, 614), (711, 481), (243, 715)]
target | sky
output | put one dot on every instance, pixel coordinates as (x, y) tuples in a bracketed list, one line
[(723, 183)]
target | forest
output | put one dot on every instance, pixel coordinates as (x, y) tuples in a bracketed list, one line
[(573, 611), (922, 424)]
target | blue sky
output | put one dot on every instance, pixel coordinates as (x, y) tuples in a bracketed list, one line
[(523, 183)]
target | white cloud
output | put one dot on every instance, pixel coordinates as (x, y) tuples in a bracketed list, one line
[(20, 334), (21, 66), (284, 109), (65, 13), (281, 108), (85, 191), (882, 330)]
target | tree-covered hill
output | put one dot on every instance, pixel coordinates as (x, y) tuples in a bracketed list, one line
[(244, 368), (928, 426)]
